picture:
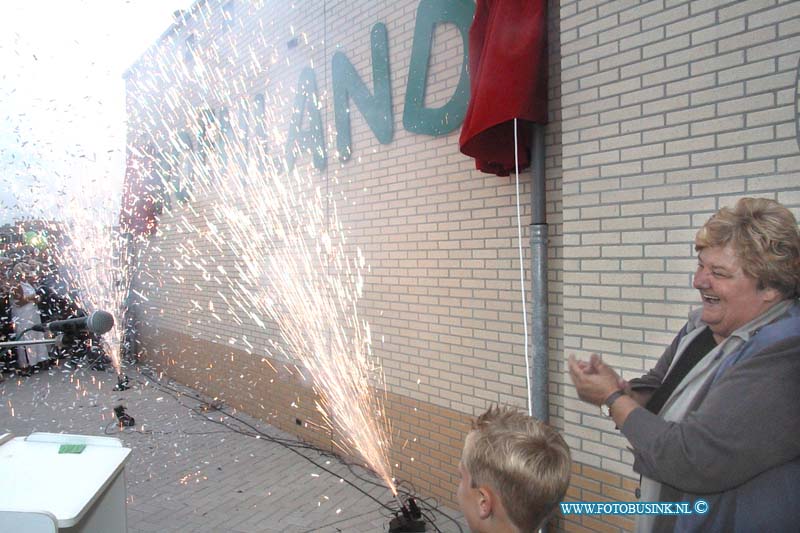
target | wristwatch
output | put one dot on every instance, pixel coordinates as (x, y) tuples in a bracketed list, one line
[(605, 408)]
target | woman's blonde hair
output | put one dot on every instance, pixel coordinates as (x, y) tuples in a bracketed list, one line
[(765, 238), (526, 462)]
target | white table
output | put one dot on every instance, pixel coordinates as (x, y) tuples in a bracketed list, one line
[(84, 491)]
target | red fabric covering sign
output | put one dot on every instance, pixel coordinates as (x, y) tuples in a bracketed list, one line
[(508, 79)]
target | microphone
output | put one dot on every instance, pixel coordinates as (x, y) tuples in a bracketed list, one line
[(98, 322)]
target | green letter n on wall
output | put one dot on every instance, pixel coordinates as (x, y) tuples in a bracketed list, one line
[(311, 139), (377, 108), (437, 121)]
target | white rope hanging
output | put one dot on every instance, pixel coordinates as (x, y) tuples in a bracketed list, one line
[(522, 274)]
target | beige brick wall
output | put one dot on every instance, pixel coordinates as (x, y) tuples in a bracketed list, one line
[(660, 113), (440, 238), (426, 439), (443, 293), (670, 111)]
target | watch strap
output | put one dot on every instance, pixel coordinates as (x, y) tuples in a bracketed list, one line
[(613, 397)]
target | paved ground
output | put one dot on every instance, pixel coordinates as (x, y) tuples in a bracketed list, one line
[(190, 471)]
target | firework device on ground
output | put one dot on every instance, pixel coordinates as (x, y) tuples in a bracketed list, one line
[(408, 519), (122, 382), (123, 418)]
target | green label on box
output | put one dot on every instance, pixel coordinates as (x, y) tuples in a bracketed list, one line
[(71, 448)]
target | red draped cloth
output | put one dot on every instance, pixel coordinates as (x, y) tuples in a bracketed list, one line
[(508, 79)]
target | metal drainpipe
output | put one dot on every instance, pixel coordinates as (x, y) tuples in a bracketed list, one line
[(539, 317)]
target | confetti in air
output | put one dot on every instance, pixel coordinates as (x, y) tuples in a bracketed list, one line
[(269, 246), (62, 142), (94, 256)]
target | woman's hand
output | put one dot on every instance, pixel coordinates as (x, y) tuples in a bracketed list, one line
[(594, 380)]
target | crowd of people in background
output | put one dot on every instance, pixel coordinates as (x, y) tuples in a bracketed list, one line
[(33, 292)]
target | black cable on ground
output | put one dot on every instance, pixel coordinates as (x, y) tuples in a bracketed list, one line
[(256, 432), (295, 445)]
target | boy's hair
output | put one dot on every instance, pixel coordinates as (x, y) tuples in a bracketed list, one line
[(526, 463)]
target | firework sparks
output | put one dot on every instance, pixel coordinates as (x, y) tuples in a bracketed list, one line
[(95, 260), (280, 256)]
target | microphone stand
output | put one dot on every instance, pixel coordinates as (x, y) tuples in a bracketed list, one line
[(11, 344), (14, 343), (122, 380)]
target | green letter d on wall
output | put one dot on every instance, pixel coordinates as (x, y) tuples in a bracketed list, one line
[(436, 121)]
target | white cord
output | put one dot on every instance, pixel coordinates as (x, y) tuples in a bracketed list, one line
[(522, 276)]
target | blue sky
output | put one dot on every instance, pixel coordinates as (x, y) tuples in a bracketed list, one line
[(62, 119)]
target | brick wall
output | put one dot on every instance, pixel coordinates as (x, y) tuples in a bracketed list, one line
[(670, 111), (443, 293), (427, 439), (440, 238), (660, 113)]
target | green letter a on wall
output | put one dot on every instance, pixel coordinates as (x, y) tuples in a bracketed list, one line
[(312, 139), (377, 109), (437, 121)]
